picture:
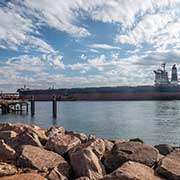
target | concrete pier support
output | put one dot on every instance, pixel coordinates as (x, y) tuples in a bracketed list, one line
[(32, 106), (54, 110)]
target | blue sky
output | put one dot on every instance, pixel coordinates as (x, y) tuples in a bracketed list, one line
[(83, 43)]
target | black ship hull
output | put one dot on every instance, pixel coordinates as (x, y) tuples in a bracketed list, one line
[(105, 93)]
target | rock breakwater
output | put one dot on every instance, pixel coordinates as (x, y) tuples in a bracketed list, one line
[(30, 152)]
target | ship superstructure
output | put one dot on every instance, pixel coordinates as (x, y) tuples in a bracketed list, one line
[(161, 76)]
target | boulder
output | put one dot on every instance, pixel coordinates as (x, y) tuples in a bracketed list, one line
[(62, 143), (6, 152), (130, 151), (85, 163), (96, 145), (20, 127), (41, 159), (26, 176), (7, 135), (27, 137), (53, 131), (169, 166), (54, 174), (16, 127), (7, 169), (108, 145), (164, 149), (83, 138), (132, 171)]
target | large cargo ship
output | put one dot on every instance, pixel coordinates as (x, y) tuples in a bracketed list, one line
[(163, 89)]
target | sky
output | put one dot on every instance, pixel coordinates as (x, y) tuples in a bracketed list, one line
[(86, 43)]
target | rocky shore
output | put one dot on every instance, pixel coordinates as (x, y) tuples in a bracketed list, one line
[(28, 152)]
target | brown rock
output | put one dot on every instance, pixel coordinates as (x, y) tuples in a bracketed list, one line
[(35, 157), (17, 127), (83, 178), (132, 171), (62, 143), (20, 127), (7, 135), (6, 152), (108, 145), (169, 166), (41, 133), (53, 131), (96, 145), (27, 176), (86, 163), (54, 174), (7, 169), (164, 149), (160, 156), (130, 151), (28, 137), (83, 138)]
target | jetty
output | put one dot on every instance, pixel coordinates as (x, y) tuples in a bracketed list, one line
[(11, 102)]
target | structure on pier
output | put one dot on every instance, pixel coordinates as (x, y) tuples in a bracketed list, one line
[(10, 102)]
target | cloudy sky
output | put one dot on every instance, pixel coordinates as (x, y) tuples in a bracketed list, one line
[(80, 43)]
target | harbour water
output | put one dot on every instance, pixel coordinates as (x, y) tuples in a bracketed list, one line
[(153, 121)]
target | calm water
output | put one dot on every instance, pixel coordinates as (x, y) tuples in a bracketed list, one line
[(153, 121)]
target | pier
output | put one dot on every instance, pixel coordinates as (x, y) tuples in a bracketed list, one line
[(11, 102)]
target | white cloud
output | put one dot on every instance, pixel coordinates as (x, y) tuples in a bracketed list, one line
[(140, 21), (57, 14), (150, 28), (34, 71), (18, 31), (103, 46), (116, 71), (158, 27)]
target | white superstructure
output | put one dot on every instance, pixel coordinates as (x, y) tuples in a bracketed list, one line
[(161, 76)]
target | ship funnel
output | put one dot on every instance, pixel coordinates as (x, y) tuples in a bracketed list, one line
[(174, 77)]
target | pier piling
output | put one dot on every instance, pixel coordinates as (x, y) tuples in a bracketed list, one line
[(27, 108), (32, 106), (54, 103)]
